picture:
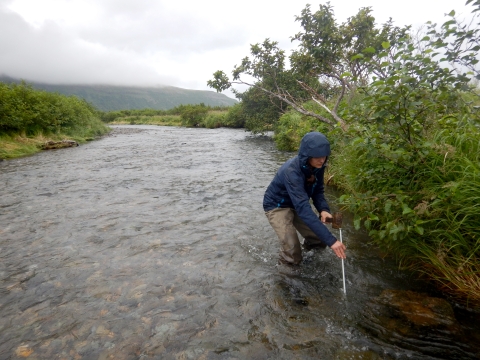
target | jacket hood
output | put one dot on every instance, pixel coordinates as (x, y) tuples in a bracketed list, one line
[(313, 144)]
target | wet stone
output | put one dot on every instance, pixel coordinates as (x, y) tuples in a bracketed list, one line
[(417, 322), (24, 351)]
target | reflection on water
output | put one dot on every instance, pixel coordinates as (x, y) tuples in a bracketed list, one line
[(152, 243)]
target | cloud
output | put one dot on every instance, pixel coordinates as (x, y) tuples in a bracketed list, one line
[(157, 28), (151, 42), (54, 54), (115, 42)]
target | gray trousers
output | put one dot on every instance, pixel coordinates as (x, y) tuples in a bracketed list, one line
[(286, 223)]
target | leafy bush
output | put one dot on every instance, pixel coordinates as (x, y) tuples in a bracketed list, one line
[(260, 112), (234, 117), (29, 111), (421, 204), (214, 119), (193, 115), (290, 129)]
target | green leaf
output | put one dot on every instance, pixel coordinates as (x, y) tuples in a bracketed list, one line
[(356, 222), (388, 206), (378, 82), (358, 56), (386, 44), (346, 74), (419, 230), (406, 209), (394, 229), (448, 23), (369, 49), (367, 224), (373, 217)]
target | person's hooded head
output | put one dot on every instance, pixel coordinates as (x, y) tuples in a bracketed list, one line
[(313, 145)]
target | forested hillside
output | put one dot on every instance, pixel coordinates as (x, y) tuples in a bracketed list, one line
[(112, 98)]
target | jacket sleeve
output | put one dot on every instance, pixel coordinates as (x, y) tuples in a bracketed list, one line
[(294, 183)]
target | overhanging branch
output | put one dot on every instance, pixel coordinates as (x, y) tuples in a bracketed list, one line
[(292, 103)]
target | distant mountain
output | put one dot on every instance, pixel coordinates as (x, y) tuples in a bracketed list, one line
[(110, 97)]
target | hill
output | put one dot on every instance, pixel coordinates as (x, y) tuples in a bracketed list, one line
[(111, 98)]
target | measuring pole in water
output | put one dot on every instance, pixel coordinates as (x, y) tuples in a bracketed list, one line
[(343, 267), (337, 224)]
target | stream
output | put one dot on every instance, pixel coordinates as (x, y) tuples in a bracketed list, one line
[(152, 243)]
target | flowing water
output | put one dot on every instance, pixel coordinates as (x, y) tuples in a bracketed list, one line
[(151, 243)]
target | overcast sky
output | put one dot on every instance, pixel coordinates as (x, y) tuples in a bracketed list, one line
[(158, 42)]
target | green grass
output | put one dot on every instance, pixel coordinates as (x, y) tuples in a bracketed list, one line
[(20, 145)]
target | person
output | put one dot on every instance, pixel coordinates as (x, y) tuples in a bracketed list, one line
[(287, 201)]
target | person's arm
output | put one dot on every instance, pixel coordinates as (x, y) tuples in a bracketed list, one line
[(294, 184)]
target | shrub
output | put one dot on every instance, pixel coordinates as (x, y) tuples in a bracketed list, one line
[(29, 111), (193, 115), (235, 117), (214, 119)]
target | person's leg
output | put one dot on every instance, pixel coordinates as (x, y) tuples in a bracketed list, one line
[(281, 220), (311, 240)]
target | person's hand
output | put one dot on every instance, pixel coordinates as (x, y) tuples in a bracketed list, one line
[(324, 215), (339, 249)]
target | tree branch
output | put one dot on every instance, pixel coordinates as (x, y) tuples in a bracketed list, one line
[(320, 100), (292, 103)]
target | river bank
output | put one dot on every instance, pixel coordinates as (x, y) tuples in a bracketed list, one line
[(31, 118), (15, 146)]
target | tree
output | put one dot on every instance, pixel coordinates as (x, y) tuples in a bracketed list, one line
[(459, 43), (260, 110), (411, 162), (328, 64)]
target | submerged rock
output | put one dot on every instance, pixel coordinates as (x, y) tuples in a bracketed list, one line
[(417, 322), (48, 145), (24, 351), (419, 309)]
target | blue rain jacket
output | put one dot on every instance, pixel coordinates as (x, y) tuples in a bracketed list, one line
[(290, 189)]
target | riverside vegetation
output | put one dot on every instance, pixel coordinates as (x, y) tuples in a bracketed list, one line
[(401, 110), (199, 115), (29, 118)]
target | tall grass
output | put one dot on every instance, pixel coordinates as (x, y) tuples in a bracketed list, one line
[(421, 204), (452, 255)]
